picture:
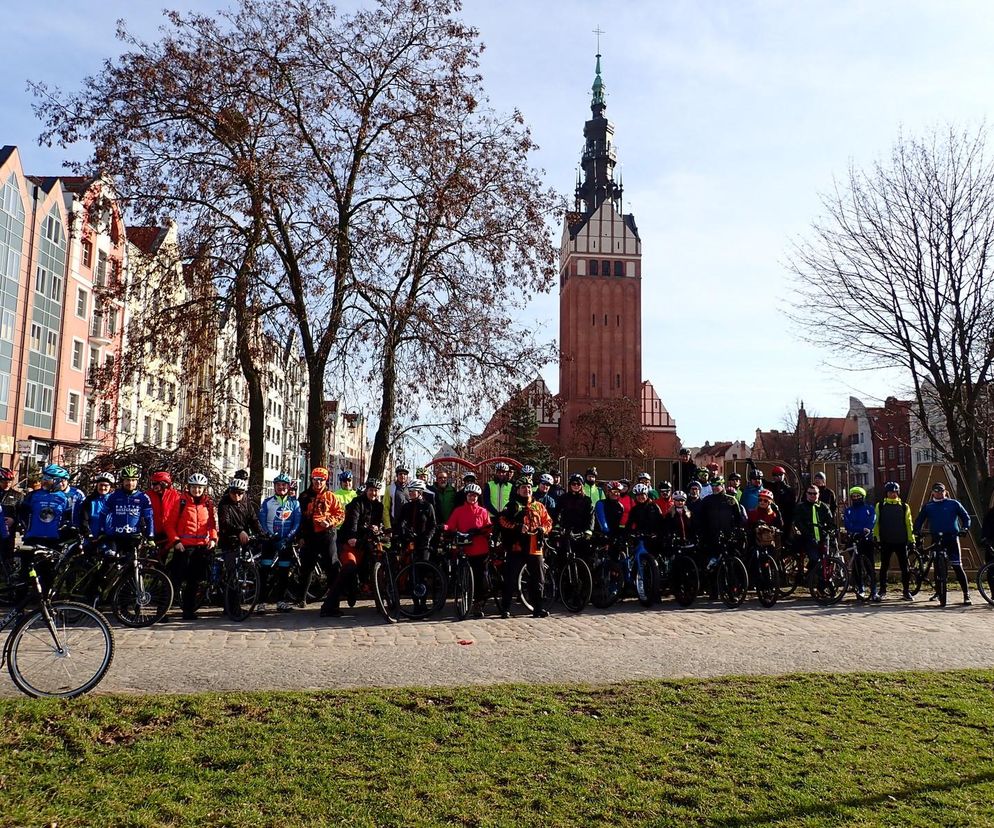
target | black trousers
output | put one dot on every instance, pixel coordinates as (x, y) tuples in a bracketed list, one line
[(864, 546), (188, 571), (886, 550), (512, 571), (274, 569), (319, 546)]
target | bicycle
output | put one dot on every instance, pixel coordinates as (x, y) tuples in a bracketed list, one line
[(460, 573), (634, 567), (138, 592), (985, 580), (61, 648), (861, 567), (729, 572), (233, 581), (828, 577), (574, 580), (678, 573), (764, 572), (403, 585), (936, 557)]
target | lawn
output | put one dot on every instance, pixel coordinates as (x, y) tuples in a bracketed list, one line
[(897, 749)]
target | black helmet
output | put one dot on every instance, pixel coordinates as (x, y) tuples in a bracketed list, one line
[(592, 471), (576, 478)]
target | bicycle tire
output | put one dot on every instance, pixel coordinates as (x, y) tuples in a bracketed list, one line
[(385, 593), (463, 589), (830, 589), (916, 572), (608, 584), (145, 603), (241, 589), (85, 637), (576, 583), (420, 590), (860, 577), (767, 578), (549, 590), (790, 574), (13, 584), (941, 579), (647, 581), (985, 582), (733, 581), (686, 580)]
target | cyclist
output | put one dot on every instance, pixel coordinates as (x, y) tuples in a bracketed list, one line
[(646, 478), (279, 517), (590, 487), (417, 520), (576, 514), (460, 498), (749, 498), (678, 524), (947, 520), (684, 470), (165, 501), (813, 523), (94, 508), (609, 513), (421, 473), (195, 528), (858, 520), (75, 495), (346, 487), (664, 497), (719, 514), (765, 512), (694, 497), (825, 493), (626, 499), (497, 493), (445, 495), (543, 494), (321, 514), (558, 492), (645, 517), (362, 525), (704, 482), (732, 486), (893, 530), (395, 497), (237, 520), (46, 511), (471, 518), (783, 495), (10, 501), (525, 522), (128, 516)]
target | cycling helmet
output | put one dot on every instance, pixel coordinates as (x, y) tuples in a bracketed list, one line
[(401, 470), (857, 491), (104, 477), (547, 479), (778, 470), (373, 483), (679, 495), (939, 487), (502, 467), (55, 472), (282, 477), (528, 469), (643, 476), (625, 482), (197, 480), (756, 474), (131, 472), (421, 471), (523, 481), (417, 485), (713, 467), (640, 489), (320, 473), (614, 486), (345, 474), (703, 473), (238, 484), (765, 494), (472, 488), (468, 476), (664, 486), (891, 487), (735, 476), (576, 478), (242, 474), (819, 476), (162, 477), (718, 481), (592, 471), (694, 485), (6, 474)]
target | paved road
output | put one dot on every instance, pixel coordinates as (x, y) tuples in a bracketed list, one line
[(303, 651)]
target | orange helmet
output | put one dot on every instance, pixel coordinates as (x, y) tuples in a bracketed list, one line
[(320, 473)]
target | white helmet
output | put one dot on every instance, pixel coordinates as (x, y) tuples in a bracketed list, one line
[(472, 488), (197, 480), (238, 484), (417, 485), (547, 479), (640, 488)]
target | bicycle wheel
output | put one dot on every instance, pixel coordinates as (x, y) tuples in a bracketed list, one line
[(463, 588), (790, 574), (13, 580), (575, 585), (767, 578), (241, 592), (985, 582), (142, 598), (66, 658), (385, 593), (493, 589), (916, 572), (828, 580), (686, 580), (549, 591), (941, 579), (608, 583), (733, 581), (861, 577), (647, 581), (420, 590)]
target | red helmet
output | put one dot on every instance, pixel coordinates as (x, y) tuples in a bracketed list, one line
[(713, 467), (162, 477), (778, 470), (6, 474), (765, 494)]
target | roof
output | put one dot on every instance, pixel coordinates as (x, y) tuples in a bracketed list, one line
[(46, 182), (78, 184), (6, 152), (147, 239), (828, 425)]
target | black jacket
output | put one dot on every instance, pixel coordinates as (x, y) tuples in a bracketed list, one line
[(576, 513), (417, 519), (234, 517), (360, 514)]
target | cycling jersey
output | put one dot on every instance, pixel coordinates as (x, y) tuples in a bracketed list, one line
[(195, 522), (76, 498), (43, 512), (893, 522), (92, 512), (644, 517), (859, 520), (945, 516), (576, 513), (496, 496), (609, 513), (594, 492), (749, 498), (128, 513), (280, 516)]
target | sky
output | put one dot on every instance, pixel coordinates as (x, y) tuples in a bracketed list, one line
[(731, 118)]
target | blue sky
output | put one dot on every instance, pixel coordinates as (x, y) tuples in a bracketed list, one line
[(731, 118)]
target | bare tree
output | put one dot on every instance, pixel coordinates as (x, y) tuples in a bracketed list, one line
[(897, 275), (612, 428)]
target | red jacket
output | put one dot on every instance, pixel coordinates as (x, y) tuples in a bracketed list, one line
[(164, 508), (196, 521), (470, 518)]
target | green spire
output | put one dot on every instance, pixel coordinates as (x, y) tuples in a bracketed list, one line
[(598, 87)]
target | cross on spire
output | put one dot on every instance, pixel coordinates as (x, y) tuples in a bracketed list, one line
[(599, 31)]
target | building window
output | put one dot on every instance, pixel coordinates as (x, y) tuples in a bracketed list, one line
[(41, 279), (126, 422), (619, 268), (900, 454), (100, 277), (593, 267), (36, 337), (112, 323), (890, 453), (593, 380), (87, 253), (46, 399), (77, 354), (605, 319), (89, 421), (82, 302), (593, 319), (146, 428), (169, 435), (605, 268), (7, 326), (52, 345), (617, 380), (72, 409), (30, 396), (94, 359), (158, 432)]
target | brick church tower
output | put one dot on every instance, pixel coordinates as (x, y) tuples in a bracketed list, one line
[(600, 295)]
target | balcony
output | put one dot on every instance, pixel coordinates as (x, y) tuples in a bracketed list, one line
[(98, 331)]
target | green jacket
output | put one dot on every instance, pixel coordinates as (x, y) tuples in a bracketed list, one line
[(445, 501), (594, 492)]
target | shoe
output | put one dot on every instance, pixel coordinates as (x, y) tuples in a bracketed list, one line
[(875, 598), (331, 612), (283, 606), (477, 613), (966, 601), (934, 596), (505, 614), (260, 609), (909, 597), (542, 613), (190, 616), (301, 604), (351, 598)]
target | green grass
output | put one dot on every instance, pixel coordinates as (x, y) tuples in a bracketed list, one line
[(900, 749)]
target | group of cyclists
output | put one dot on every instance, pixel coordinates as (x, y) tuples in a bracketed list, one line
[(519, 515)]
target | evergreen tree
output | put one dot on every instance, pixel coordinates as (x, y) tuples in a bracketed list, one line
[(521, 436)]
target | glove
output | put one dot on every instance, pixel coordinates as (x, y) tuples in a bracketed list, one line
[(588, 534), (178, 547)]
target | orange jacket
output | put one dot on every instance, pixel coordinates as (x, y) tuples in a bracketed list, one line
[(324, 511), (195, 523)]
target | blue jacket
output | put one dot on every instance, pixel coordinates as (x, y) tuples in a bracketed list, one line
[(859, 520), (92, 513), (749, 499), (280, 516), (76, 498), (128, 513), (943, 516), (44, 512)]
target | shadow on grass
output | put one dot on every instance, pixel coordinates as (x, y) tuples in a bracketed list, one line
[(836, 809)]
